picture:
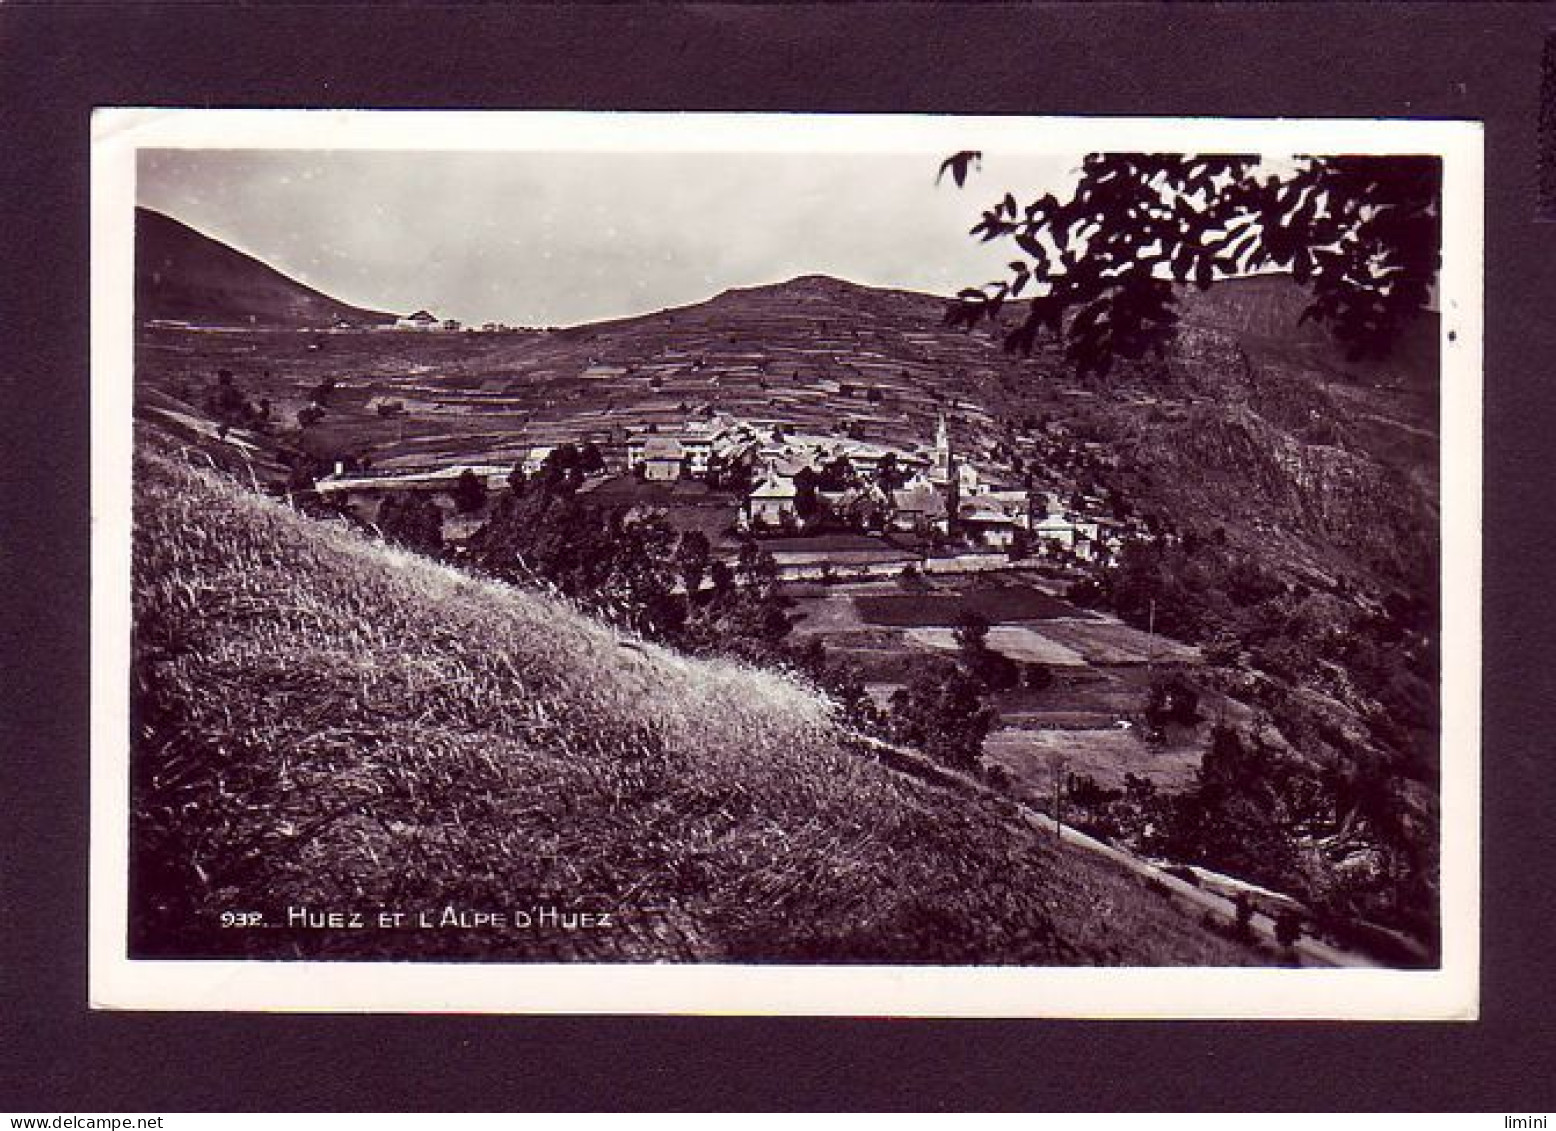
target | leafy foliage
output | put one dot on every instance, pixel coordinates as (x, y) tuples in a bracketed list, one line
[(942, 711), (469, 492), (413, 520), (1172, 699), (1261, 813), (1098, 269), (995, 671)]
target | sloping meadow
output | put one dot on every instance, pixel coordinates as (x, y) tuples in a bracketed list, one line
[(340, 750)]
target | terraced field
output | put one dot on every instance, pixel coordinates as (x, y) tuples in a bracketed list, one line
[(816, 354)]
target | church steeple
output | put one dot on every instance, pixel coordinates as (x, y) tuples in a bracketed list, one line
[(942, 444)]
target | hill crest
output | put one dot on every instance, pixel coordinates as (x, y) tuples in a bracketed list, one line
[(183, 275)]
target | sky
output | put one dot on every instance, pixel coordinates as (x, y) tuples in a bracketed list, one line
[(539, 239)]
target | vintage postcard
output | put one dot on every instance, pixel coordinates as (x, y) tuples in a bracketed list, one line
[(786, 564)]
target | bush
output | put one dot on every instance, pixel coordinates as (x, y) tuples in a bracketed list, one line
[(412, 520), (1244, 911), (1039, 677), (1172, 699), (1288, 927)]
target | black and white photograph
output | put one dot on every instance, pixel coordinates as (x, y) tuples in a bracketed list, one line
[(785, 564)]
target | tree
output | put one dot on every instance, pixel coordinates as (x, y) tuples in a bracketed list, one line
[(755, 567), (692, 556), (1244, 915), (942, 711), (995, 671), (413, 520), (837, 474), (1172, 699), (469, 492), (590, 460), (225, 401), (807, 502), (889, 474), (1360, 233), (972, 631), (562, 471)]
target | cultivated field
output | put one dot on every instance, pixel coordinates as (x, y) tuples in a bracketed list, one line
[(1091, 715)]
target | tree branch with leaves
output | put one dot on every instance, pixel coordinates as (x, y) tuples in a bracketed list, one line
[(1100, 271)]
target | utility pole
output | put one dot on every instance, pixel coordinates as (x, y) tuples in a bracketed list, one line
[(1150, 647), (1059, 767)]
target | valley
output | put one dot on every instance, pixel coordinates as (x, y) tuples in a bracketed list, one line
[(1196, 599)]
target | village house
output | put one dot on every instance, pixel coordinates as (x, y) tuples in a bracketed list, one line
[(772, 501), (421, 320), (1055, 530), (634, 448), (534, 458), (919, 507), (1088, 537), (699, 441), (662, 458), (989, 523), (866, 458)]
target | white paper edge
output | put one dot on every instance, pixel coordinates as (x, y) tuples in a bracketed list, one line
[(116, 982)]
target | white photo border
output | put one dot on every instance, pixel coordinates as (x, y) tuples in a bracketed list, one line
[(1450, 992)]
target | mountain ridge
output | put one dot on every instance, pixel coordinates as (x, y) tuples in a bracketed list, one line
[(185, 275)]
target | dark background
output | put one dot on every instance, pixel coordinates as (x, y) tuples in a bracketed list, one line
[(1388, 60)]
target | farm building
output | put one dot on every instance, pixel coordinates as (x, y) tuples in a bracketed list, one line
[(697, 449)]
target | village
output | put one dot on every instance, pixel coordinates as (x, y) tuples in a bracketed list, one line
[(826, 507)]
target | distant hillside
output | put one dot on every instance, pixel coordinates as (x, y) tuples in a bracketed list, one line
[(182, 275), (1252, 422), (323, 723), (1263, 313)]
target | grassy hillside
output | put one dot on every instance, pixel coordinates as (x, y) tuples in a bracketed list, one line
[(322, 723)]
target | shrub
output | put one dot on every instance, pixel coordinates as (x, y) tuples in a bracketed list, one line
[(411, 519), (1288, 927), (1172, 699)]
